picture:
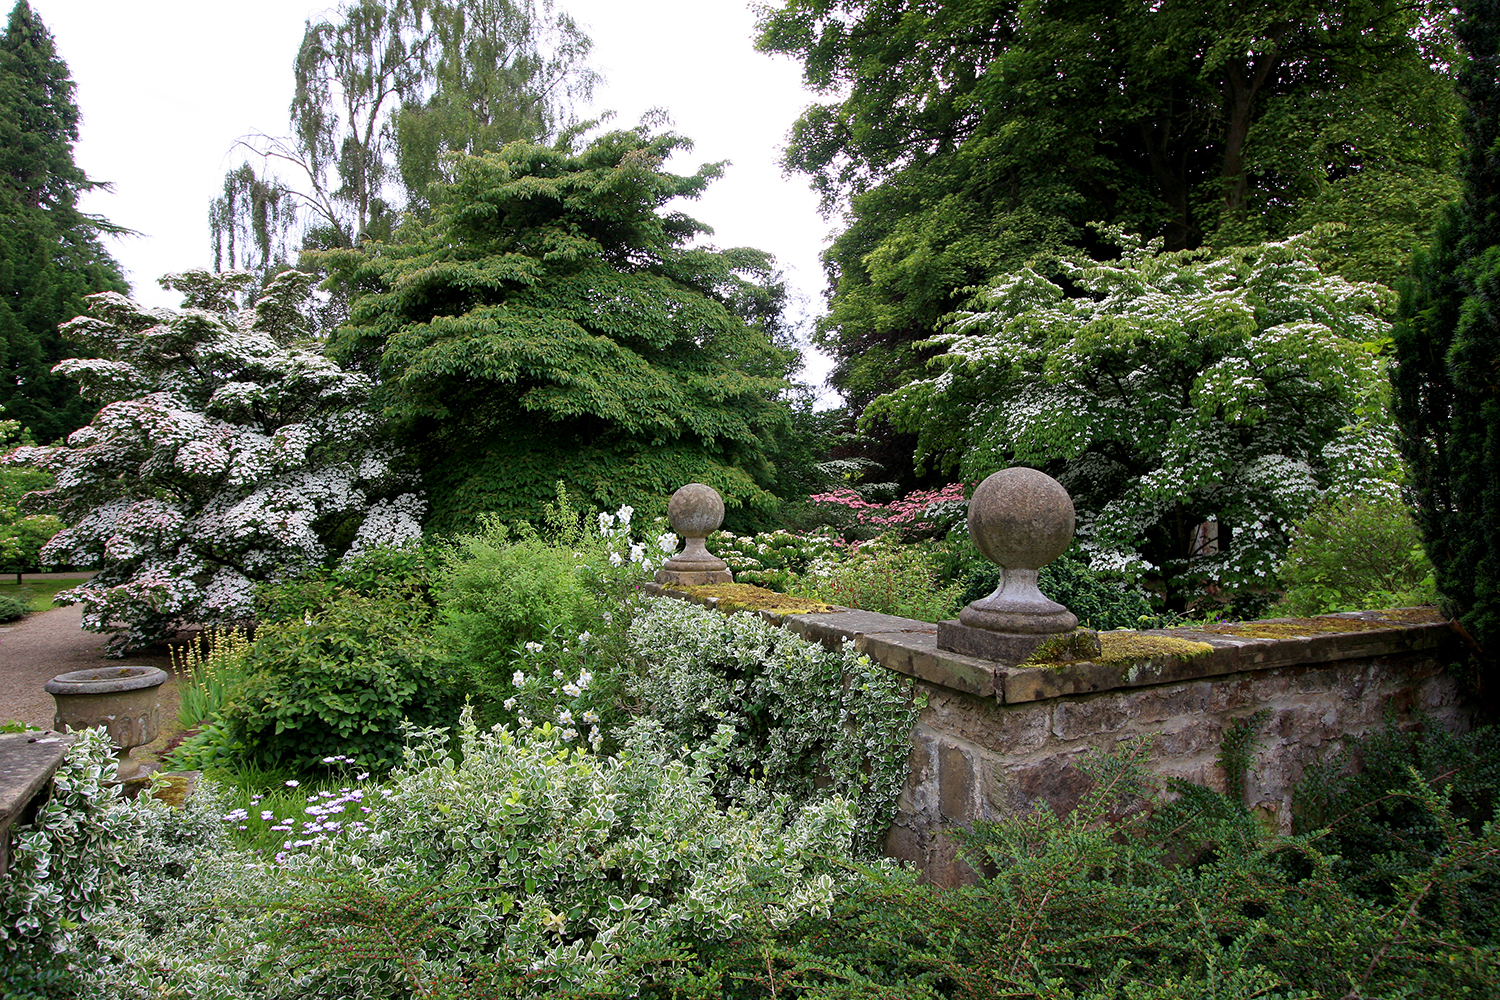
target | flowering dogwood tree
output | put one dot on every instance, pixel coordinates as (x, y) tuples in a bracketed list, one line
[(1196, 408), (228, 451)]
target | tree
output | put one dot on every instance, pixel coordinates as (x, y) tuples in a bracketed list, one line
[(385, 91), (226, 454), (1195, 407), (1447, 351), (971, 139), (50, 254), (554, 324)]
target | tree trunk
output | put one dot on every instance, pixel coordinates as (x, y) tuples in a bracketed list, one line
[(1241, 85)]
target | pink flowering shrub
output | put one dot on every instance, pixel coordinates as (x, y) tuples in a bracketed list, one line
[(228, 451), (919, 511)]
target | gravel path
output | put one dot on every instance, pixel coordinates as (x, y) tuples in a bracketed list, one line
[(47, 643)]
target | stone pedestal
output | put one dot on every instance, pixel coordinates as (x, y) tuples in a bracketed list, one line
[(1021, 520), (695, 512)]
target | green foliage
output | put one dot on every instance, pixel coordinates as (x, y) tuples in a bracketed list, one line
[(66, 871), (343, 681), (555, 324), (772, 559), (1166, 391), (394, 572), (974, 139), (1447, 348), (788, 717), (886, 577), (50, 254), (1100, 604), (1355, 554), (208, 669), (1372, 798), (12, 608)]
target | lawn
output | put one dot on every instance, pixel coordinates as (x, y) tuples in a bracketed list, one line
[(35, 591)]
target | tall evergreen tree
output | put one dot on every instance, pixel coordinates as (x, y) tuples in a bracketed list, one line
[(50, 254), (1447, 371)]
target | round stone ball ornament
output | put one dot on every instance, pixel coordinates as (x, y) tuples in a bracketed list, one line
[(695, 512), (1021, 520)]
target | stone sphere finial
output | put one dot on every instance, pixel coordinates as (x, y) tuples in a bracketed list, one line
[(695, 512), (1021, 519)]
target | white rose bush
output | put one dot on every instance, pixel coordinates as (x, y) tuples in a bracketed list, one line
[(1166, 391), (228, 451)]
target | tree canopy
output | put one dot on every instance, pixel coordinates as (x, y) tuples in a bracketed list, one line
[(1168, 391), (970, 139), (556, 323), (1447, 354), (50, 253), (384, 92)]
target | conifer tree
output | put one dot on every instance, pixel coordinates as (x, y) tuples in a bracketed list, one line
[(50, 255), (1447, 371)]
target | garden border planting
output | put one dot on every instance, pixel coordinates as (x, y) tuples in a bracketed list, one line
[(997, 739)]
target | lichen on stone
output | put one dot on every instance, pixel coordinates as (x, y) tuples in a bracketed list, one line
[(748, 597), (1295, 628)]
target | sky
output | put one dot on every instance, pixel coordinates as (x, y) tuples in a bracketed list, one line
[(167, 86)]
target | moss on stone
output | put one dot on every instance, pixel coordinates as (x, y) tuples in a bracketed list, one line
[(1069, 647), (1124, 647), (1295, 628), (748, 597), (1427, 615)]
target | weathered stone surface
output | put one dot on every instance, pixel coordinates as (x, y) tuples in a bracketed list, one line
[(1021, 520), (916, 655), (122, 699), (695, 512), (1074, 719), (1008, 648), (27, 763)]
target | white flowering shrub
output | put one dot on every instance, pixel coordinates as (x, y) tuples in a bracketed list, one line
[(773, 558), (228, 451), (799, 719), (519, 862), (67, 867), (1168, 391)]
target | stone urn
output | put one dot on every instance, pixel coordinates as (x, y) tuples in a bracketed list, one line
[(695, 512), (124, 700)]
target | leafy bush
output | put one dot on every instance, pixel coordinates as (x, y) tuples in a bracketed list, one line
[(799, 719), (516, 867), (398, 572), (1356, 554), (66, 871), (208, 668), (1098, 602), (884, 576), (342, 681), (772, 558), (1370, 797), (12, 608)]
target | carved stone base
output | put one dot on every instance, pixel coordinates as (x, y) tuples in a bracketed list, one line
[(692, 577), (1012, 647)]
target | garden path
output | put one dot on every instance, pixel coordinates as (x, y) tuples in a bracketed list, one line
[(47, 643)]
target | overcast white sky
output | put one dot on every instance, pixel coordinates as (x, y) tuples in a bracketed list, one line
[(166, 86)]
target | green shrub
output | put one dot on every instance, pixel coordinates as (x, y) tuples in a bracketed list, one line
[(772, 559), (400, 573), (12, 608), (66, 872), (884, 576), (1099, 603), (1355, 554), (342, 681), (801, 720)]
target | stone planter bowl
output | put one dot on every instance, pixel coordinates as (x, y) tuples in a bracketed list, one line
[(121, 699)]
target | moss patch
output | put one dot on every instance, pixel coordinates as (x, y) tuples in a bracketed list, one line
[(1415, 616), (1123, 647), (175, 788), (1295, 628), (748, 597)]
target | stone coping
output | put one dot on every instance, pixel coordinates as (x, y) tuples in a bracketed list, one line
[(910, 647), (27, 762)]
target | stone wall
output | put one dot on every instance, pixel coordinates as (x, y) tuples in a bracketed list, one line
[(997, 740)]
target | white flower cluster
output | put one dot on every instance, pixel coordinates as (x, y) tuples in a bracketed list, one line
[(220, 455)]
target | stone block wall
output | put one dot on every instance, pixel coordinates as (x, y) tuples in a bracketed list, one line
[(995, 740)]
